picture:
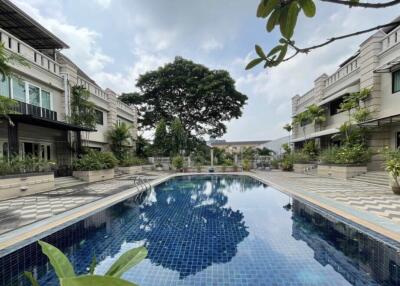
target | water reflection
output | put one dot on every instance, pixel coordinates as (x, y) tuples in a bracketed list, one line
[(356, 256)]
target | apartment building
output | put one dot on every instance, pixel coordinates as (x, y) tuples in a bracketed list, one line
[(375, 65), (236, 147), (43, 92)]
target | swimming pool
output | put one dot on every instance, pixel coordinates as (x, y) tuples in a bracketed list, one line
[(216, 230)]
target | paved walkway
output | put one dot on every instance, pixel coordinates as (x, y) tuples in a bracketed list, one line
[(15, 213), (373, 199)]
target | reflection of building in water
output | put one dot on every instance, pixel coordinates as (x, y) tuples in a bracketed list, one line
[(350, 252)]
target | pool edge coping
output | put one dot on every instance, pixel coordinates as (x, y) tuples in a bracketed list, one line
[(20, 237)]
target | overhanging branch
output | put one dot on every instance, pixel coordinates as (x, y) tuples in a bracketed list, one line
[(364, 5)]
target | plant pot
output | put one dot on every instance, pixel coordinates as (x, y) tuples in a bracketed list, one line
[(394, 185)]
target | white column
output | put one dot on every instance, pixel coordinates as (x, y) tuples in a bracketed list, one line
[(212, 157)]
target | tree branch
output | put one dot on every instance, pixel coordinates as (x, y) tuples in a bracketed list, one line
[(329, 41), (364, 5)]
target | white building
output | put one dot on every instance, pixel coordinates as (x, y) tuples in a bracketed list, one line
[(375, 65), (43, 92)]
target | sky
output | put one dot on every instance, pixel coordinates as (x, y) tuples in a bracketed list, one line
[(114, 41)]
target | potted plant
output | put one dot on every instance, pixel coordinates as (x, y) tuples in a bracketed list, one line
[(178, 163), (158, 166), (392, 166), (95, 166)]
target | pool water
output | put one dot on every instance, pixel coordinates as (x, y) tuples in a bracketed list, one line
[(216, 230)]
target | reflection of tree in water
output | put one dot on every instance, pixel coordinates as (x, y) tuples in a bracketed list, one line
[(188, 229)]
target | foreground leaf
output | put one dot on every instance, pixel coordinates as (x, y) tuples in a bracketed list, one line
[(253, 63), (308, 7), (291, 21), (127, 261), (273, 20), (58, 260), (31, 279), (94, 280)]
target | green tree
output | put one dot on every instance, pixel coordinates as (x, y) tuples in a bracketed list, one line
[(119, 138), (178, 137), (201, 98), (302, 119), (317, 114), (285, 14), (288, 127), (83, 112), (161, 140)]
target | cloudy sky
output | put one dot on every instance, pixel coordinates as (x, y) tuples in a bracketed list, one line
[(116, 40)]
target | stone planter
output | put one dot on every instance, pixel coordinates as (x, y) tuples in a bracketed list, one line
[(341, 171), (130, 170), (94, 176), (395, 185), (12, 186), (302, 168)]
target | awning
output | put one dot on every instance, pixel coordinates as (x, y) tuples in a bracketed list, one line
[(24, 27), (347, 90), (316, 135), (381, 121), (34, 120), (389, 66)]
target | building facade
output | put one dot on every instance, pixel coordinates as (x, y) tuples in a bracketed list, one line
[(42, 89), (376, 66)]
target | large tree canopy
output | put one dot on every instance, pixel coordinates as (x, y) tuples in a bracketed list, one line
[(202, 99)]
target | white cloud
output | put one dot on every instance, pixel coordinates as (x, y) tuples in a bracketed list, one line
[(211, 45), (103, 3)]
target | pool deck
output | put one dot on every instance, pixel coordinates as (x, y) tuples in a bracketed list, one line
[(27, 219), (373, 207)]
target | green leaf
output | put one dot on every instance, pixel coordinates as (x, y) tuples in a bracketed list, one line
[(274, 51), (261, 9), (93, 264), (94, 280), (260, 52), (291, 21), (281, 55), (253, 63), (58, 260), (273, 20), (31, 279), (308, 7), (127, 261), (270, 6), (283, 21)]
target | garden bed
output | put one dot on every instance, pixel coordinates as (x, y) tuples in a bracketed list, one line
[(302, 167), (341, 171), (12, 186), (130, 170), (94, 176)]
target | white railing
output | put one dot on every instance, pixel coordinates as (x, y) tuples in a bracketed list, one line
[(391, 39), (343, 72), (19, 47), (92, 88), (125, 107)]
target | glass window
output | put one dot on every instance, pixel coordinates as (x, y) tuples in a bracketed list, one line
[(18, 89), (46, 99), (5, 87), (99, 117), (34, 95), (396, 81), (334, 106)]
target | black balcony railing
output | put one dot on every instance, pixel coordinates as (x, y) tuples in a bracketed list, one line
[(29, 109)]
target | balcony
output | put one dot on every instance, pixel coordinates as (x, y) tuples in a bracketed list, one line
[(36, 111)]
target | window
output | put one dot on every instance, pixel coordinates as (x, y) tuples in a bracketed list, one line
[(334, 106), (5, 150), (18, 89), (9, 43), (46, 101), (34, 95), (396, 81), (5, 87), (19, 47), (99, 117)]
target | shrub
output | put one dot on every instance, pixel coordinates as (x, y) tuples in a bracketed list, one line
[(287, 163), (311, 150), (246, 165), (275, 163), (300, 157), (95, 160), (392, 163), (178, 162), (131, 160), (348, 154), (17, 165)]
